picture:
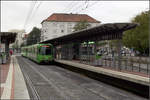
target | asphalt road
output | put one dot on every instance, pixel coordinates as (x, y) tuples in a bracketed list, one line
[(51, 82)]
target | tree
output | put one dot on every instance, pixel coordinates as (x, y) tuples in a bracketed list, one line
[(34, 36), (138, 38), (81, 25)]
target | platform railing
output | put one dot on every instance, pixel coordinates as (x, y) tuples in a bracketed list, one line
[(132, 64), (116, 61)]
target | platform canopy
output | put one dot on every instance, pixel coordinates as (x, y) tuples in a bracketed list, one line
[(7, 37), (107, 31)]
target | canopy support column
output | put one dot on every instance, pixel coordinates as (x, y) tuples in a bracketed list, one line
[(119, 52)]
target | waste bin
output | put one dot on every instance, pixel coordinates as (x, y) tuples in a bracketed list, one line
[(3, 58)]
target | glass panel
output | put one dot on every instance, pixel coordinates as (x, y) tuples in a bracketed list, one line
[(45, 50), (48, 50)]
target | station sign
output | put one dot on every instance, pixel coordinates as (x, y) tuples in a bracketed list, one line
[(45, 46)]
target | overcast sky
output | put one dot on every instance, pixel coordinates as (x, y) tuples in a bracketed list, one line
[(27, 14)]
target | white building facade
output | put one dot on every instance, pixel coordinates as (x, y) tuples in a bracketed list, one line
[(19, 38), (58, 25)]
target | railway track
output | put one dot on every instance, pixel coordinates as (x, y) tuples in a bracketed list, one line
[(30, 85), (47, 82)]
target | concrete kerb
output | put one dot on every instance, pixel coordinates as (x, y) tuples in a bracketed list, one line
[(20, 90), (121, 75)]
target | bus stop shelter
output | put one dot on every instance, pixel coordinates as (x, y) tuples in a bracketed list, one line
[(7, 38)]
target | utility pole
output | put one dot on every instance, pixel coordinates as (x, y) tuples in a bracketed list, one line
[(0, 42)]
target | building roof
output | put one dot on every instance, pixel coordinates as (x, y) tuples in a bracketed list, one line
[(62, 17), (107, 31), (7, 37)]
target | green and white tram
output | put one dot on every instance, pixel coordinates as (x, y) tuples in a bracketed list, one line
[(38, 52)]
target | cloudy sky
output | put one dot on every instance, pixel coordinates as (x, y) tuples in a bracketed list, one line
[(27, 14)]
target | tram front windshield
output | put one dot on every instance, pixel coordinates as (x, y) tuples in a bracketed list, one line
[(46, 50)]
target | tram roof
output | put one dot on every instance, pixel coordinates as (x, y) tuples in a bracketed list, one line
[(107, 31), (7, 36)]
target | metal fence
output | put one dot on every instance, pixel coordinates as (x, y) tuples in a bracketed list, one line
[(87, 55), (125, 63)]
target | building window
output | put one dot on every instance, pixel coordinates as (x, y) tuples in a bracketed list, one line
[(69, 25), (61, 26), (54, 31), (62, 31), (42, 37), (69, 30), (45, 37)]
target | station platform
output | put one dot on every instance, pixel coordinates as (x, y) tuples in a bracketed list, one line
[(13, 86), (12, 83), (124, 75)]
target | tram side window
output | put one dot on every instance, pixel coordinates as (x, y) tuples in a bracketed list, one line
[(26, 50), (38, 51), (35, 49)]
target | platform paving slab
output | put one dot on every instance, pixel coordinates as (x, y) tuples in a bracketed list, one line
[(7, 86), (20, 91), (14, 87)]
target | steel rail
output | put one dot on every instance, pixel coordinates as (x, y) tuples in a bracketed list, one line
[(35, 94), (47, 80)]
